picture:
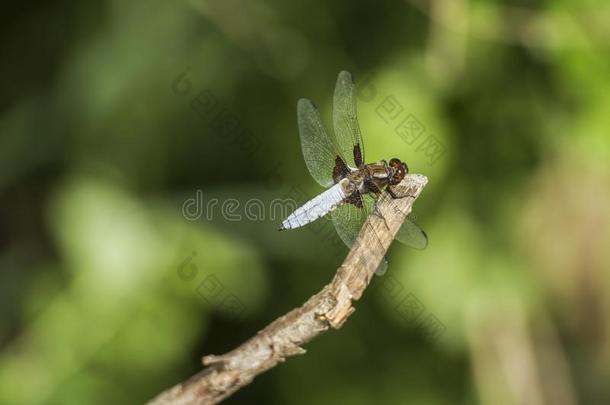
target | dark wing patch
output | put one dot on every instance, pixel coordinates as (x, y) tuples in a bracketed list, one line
[(370, 185), (358, 155), (340, 170), (355, 199)]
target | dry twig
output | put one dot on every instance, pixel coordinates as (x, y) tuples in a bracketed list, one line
[(329, 308)]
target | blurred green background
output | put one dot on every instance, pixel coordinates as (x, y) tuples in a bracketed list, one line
[(114, 114)]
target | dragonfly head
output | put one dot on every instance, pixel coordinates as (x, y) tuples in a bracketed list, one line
[(397, 171)]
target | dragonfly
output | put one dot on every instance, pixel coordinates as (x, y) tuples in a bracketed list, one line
[(338, 164)]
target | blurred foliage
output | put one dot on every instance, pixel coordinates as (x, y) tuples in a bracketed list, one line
[(110, 293)]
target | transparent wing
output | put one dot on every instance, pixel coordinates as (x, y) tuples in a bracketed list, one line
[(348, 219), (318, 149), (345, 120), (412, 235)]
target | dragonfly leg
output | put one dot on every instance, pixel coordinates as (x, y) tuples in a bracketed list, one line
[(380, 215), (376, 211), (372, 187)]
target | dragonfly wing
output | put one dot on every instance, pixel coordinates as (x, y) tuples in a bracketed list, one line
[(318, 150), (345, 120), (412, 235), (348, 220)]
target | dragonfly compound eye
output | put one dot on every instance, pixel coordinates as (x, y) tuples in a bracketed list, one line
[(399, 174), (395, 162)]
